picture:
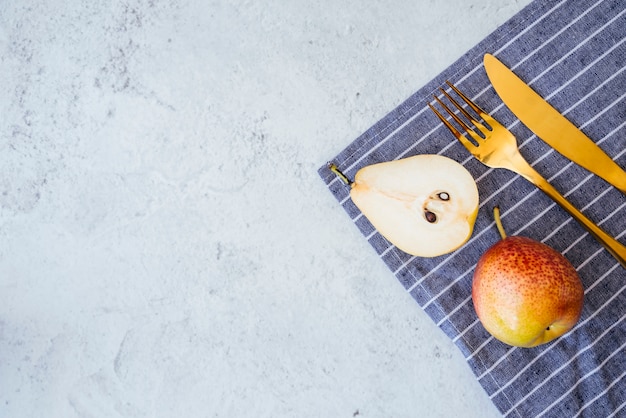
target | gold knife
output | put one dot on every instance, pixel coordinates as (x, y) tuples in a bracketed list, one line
[(549, 125)]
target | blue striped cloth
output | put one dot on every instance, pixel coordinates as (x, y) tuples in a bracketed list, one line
[(573, 53)]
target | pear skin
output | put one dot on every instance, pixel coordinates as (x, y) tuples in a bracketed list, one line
[(525, 293)]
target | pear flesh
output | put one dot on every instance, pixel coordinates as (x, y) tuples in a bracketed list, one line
[(425, 205)]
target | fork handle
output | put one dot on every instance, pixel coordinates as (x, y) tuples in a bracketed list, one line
[(617, 249)]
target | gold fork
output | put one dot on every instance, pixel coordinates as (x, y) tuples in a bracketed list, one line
[(495, 146)]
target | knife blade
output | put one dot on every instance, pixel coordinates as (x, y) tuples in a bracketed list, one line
[(551, 126)]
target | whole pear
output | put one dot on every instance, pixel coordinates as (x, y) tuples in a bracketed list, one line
[(524, 292)]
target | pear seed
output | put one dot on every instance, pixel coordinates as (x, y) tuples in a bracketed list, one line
[(443, 196), (430, 217)]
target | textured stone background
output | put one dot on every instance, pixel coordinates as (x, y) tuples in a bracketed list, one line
[(166, 247)]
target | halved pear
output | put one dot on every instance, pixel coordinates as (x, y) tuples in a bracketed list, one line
[(425, 205)]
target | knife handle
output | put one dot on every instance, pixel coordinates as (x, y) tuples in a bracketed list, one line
[(617, 249)]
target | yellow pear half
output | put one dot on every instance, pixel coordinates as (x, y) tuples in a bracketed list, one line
[(425, 205)]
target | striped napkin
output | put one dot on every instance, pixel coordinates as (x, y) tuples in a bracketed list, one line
[(573, 53)]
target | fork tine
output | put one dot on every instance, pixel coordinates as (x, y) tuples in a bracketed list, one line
[(451, 113), (450, 126), (467, 100), (472, 133), (461, 108), (458, 134)]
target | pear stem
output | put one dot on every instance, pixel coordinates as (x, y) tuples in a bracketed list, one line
[(496, 215), (333, 167)]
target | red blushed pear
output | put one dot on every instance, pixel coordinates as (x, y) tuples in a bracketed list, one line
[(525, 293)]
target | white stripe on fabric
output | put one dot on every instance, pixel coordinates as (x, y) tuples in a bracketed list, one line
[(453, 311), (614, 414), (577, 47), (601, 394), (461, 334), (563, 29), (545, 411)]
